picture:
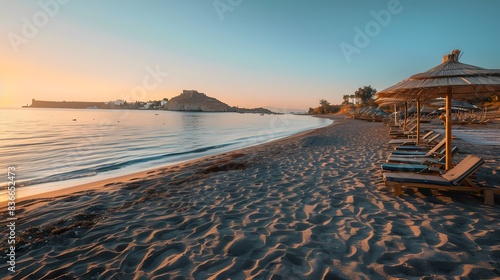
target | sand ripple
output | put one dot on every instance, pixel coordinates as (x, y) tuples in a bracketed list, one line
[(311, 207)]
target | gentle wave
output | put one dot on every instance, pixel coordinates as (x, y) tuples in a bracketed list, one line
[(89, 172), (47, 146)]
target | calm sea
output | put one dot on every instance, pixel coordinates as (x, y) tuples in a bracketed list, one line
[(57, 148)]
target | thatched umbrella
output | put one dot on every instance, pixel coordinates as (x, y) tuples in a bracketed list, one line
[(441, 102), (386, 101), (450, 79), (393, 101)]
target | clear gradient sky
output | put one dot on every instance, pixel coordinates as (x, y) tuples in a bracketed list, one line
[(247, 53)]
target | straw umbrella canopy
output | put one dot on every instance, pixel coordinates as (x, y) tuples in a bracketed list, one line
[(393, 101), (423, 110), (441, 102), (450, 79)]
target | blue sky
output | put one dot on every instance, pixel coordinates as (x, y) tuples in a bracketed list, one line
[(248, 53)]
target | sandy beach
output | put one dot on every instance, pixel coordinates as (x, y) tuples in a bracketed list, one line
[(311, 206)]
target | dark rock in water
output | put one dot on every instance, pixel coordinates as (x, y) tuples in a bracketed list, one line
[(259, 110)]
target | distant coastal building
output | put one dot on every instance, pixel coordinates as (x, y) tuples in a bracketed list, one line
[(118, 102), (67, 104)]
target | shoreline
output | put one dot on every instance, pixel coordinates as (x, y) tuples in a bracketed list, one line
[(142, 174), (309, 206), (52, 187)]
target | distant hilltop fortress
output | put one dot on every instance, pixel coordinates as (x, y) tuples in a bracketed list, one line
[(67, 104), (192, 100)]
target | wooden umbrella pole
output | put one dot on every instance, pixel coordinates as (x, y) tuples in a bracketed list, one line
[(448, 128), (406, 115), (418, 121), (395, 116)]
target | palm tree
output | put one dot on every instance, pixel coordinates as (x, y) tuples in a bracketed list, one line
[(346, 99)]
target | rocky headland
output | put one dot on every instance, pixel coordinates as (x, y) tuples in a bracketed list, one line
[(194, 101)]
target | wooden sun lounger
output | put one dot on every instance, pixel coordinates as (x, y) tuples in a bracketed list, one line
[(488, 117), (417, 164), (412, 148), (426, 139), (408, 167), (429, 153), (420, 159), (455, 179), (400, 132)]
